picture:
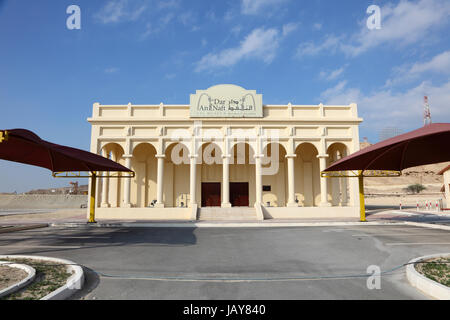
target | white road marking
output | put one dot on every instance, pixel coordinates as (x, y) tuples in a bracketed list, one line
[(397, 234), (41, 246), (415, 243)]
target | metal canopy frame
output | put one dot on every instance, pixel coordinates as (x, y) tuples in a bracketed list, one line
[(360, 174), (93, 175)]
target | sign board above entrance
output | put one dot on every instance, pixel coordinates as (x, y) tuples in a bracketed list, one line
[(226, 101)]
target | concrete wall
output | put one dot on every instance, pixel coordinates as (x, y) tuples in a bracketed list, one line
[(310, 212), (143, 213)]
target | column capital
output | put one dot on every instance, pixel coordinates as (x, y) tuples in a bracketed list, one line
[(126, 156), (194, 156), (160, 156), (258, 156), (322, 156), (226, 156), (291, 156)]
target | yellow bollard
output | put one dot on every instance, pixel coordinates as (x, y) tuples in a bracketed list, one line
[(362, 207), (92, 198)]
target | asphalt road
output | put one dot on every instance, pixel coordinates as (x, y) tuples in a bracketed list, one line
[(236, 263)]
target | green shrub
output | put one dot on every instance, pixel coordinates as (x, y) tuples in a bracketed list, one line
[(415, 188)]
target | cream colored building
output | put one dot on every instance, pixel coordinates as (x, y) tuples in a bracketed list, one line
[(446, 188), (225, 156)]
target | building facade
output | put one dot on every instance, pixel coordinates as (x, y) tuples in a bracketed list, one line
[(225, 155), (445, 172)]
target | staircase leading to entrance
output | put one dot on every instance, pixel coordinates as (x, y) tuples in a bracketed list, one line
[(221, 214)]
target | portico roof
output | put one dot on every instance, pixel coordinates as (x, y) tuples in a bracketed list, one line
[(24, 146), (427, 145)]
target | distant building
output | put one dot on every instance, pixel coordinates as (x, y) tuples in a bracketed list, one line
[(388, 132), (364, 144)]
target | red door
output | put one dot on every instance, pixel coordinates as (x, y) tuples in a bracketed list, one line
[(239, 194), (211, 194)]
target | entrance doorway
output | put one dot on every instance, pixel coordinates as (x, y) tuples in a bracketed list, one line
[(210, 194), (239, 194)]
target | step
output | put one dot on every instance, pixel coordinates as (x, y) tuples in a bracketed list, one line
[(234, 213)]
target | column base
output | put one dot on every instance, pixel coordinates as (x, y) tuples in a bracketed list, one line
[(294, 204), (104, 205), (127, 205), (159, 205), (226, 205)]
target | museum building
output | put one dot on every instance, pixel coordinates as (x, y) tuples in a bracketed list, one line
[(225, 156)]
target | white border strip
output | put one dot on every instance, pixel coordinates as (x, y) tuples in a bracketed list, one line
[(22, 283), (222, 224), (73, 284), (428, 225), (428, 286)]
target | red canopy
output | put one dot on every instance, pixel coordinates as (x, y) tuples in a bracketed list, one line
[(429, 144), (26, 147)]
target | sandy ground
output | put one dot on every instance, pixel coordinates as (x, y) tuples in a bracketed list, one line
[(10, 276), (49, 217), (41, 201), (406, 200)]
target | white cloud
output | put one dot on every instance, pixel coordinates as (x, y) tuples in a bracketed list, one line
[(253, 7), (404, 24), (111, 70), (331, 75), (236, 30), (317, 26), (439, 64), (120, 10), (261, 44), (330, 45), (160, 26), (386, 107), (168, 4), (289, 28)]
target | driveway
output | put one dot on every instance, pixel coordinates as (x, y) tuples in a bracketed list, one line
[(236, 263)]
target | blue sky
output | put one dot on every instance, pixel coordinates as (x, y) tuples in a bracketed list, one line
[(152, 51)]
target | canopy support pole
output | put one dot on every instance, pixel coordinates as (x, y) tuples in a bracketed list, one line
[(362, 206), (92, 202)]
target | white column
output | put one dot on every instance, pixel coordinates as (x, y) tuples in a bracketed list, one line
[(193, 181), (258, 180), (291, 180), (344, 195), (127, 187), (105, 185), (447, 187), (226, 182), (114, 202), (160, 181), (323, 182)]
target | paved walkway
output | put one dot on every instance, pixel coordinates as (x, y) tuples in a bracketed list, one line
[(77, 217)]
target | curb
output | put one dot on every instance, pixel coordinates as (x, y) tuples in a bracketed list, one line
[(73, 284), (427, 286), (24, 282), (221, 224), (428, 225), (20, 228)]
